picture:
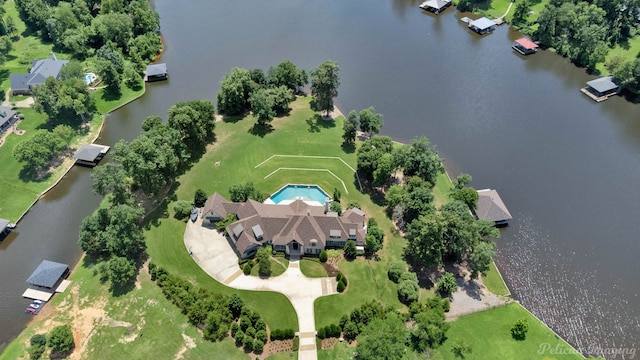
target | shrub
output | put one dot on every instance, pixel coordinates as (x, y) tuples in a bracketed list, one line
[(38, 346), (446, 305), (61, 338), (239, 338), (289, 334), (251, 332), (322, 333), (339, 276), (396, 269), (260, 325), (296, 344), (323, 257), (408, 275), (245, 322), (408, 291), (336, 207), (246, 269), (182, 209), (446, 285), (353, 205), (234, 329), (276, 334), (38, 339), (519, 329), (199, 198), (258, 346), (341, 286), (350, 331), (262, 335), (247, 343), (235, 305)]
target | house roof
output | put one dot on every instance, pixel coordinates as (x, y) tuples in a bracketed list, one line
[(491, 207), (603, 84), (40, 71), (482, 23), (47, 274), (6, 114), (3, 224), (527, 43), (156, 69), (282, 224), (89, 152)]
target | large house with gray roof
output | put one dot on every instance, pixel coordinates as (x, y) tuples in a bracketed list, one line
[(23, 84), (296, 228)]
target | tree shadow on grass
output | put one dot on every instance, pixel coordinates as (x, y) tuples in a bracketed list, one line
[(111, 95), (29, 175), (348, 148), (261, 129), (232, 119), (317, 123)]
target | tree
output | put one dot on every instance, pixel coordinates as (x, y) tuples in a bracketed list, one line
[(262, 106), (113, 231), (73, 70), (481, 257), (422, 160), (288, 75), (324, 85), (467, 195), (221, 225), (370, 153), (114, 26), (112, 178), (350, 250), (121, 271), (370, 121), (396, 269), (199, 198), (383, 339), (242, 193), (234, 92), (66, 133), (408, 291), (264, 265), (447, 285), (521, 12), (38, 346), (349, 131), (61, 338), (519, 329), (235, 305), (195, 120), (461, 181), (182, 209), (429, 329), (65, 101), (336, 207), (323, 256)]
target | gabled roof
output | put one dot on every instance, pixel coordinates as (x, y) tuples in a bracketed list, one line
[(47, 274), (6, 114), (89, 152), (527, 43), (40, 71), (482, 23), (491, 207), (437, 4), (603, 84), (156, 69)]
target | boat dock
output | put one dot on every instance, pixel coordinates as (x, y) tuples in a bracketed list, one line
[(435, 6), (601, 89)]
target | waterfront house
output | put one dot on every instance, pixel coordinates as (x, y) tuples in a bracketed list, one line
[(525, 46), (23, 84), (296, 228), (435, 6), (482, 25), (491, 208), (601, 89), (7, 117), (156, 72), (90, 154)]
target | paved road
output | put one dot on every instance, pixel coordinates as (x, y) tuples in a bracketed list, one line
[(214, 254)]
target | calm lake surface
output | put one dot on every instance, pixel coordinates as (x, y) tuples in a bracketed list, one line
[(567, 168)]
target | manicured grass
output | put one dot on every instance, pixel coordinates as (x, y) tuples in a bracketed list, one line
[(494, 283), (442, 189), (142, 324), (284, 356), (628, 51), (277, 268), (312, 268), (489, 334), (342, 352), (106, 102)]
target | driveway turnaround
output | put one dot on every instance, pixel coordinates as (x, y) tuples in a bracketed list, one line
[(214, 254)]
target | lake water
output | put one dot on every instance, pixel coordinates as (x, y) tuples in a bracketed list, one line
[(567, 168)]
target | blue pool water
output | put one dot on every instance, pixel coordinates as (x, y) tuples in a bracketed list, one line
[(302, 192), (89, 77)]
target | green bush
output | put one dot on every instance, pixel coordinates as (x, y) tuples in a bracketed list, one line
[(446, 304), (246, 269), (245, 322), (276, 334), (61, 338), (321, 333), (262, 336), (296, 344), (260, 325), (182, 209), (396, 269), (38, 339), (239, 338), (341, 286), (199, 198), (251, 332), (447, 285), (258, 346), (247, 343), (408, 275), (323, 257), (519, 329), (234, 329), (289, 334), (350, 250), (38, 346), (408, 291), (350, 331)]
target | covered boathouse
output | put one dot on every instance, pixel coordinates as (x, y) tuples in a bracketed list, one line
[(491, 208), (435, 6), (5, 227), (482, 25), (600, 89), (90, 154), (47, 279), (525, 46), (156, 72)]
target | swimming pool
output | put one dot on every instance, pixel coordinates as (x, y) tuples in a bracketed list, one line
[(299, 192), (89, 78)]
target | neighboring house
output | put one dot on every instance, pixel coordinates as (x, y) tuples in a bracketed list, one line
[(23, 84), (7, 118), (296, 229)]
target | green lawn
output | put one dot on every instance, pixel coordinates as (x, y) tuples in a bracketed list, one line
[(442, 189), (284, 356), (277, 267), (629, 51), (106, 103), (342, 352), (312, 268), (493, 281), (488, 333)]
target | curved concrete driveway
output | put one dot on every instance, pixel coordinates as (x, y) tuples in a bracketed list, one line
[(214, 254)]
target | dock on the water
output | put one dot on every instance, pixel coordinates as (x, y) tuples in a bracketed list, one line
[(525, 46), (482, 26), (91, 154), (156, 72), (491, 208), (601, 89), (435, 6)]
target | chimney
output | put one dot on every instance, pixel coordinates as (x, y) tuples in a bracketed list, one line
[(308, 212), (53, 56), (327, 204)]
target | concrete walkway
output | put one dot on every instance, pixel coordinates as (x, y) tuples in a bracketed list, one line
[(214, 254)]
